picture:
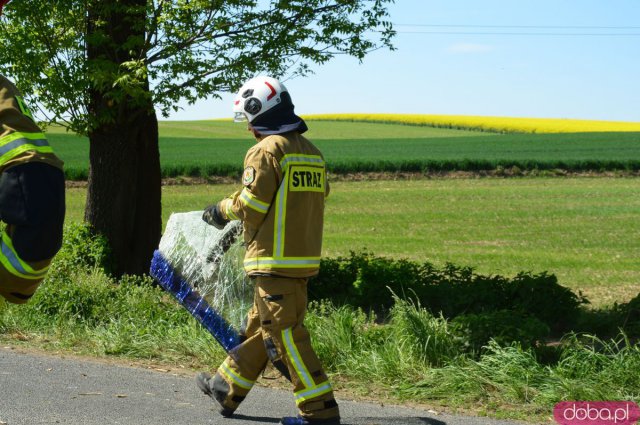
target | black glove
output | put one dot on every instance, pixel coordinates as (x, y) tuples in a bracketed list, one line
[(213, 217)]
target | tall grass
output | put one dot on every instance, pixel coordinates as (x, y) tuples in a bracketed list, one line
[(416, 356), (355, 344), (589, 369)]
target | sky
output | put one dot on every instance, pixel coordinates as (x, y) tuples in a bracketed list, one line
[(516, 58)]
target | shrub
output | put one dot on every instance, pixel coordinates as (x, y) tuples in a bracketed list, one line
[(76, 173), (610, 321), (503, 326), (366, 281), (81, 249)]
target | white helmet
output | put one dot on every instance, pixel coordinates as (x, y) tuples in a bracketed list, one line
[(257, 96)]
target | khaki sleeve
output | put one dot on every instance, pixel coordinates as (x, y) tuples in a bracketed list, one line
[(14, 113), (260, 179)]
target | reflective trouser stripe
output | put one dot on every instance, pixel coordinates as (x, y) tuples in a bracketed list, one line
[(14, 265), (314, 392), (286, 262), (16, 143), (235, 378), (296, 360)]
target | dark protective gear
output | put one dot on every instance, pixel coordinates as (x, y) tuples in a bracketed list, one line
[(32, 203), (31, 198), (217, 389), (213, 217), (279, 119)]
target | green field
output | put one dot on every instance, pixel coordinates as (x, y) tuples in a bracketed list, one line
[(206, 148), (584, 230)]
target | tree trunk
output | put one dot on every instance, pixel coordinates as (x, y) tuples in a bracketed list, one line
[(123, 199)]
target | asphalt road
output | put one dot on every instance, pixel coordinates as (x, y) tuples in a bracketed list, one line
[(45, 389)]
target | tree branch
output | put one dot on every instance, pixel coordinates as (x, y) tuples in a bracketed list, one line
[(202, 36)]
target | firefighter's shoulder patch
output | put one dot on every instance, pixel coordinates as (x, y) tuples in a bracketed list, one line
[(248, 176)]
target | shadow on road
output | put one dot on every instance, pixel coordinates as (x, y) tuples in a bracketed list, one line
[(352, 421), (257, 419), (392, 421)]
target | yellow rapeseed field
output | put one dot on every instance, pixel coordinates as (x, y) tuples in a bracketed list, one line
[(493, 124)]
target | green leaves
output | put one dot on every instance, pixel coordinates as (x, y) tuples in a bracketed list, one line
[(172, 50), (42, 51)]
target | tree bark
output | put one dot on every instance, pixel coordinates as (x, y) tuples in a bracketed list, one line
[(123, 199), (124, 195)]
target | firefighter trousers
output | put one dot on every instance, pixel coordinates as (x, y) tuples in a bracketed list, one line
[(275, 332), (32, 206)]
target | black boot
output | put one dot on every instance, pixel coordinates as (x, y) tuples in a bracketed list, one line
[(216, 388)]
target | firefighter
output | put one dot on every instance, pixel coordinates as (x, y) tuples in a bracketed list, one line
[(281, 205), (31, 198)]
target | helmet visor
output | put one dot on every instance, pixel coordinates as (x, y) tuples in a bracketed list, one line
[(239, 117)]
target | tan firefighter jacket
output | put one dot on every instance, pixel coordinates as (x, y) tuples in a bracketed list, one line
[(21, 140), (281, 206)]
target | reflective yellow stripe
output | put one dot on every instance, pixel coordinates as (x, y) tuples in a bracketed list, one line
[(229, 212), (19, 135), (296, 360), (16, 143), (314, 392), (284, 262), (287, 160), (14, 265), (311, 390), (281, 215), (281, 198), (234, 377), (252, 202)]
